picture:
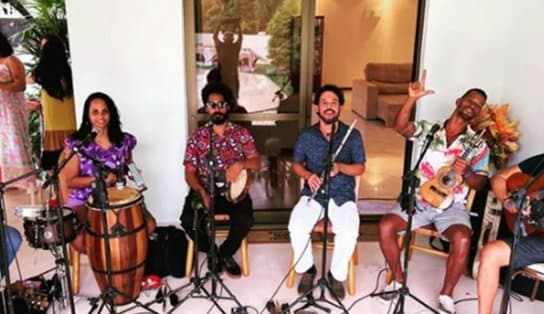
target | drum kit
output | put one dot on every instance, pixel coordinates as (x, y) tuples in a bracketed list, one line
[(44, 230)]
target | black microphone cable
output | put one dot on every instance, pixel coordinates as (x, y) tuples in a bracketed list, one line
[(271, 299)]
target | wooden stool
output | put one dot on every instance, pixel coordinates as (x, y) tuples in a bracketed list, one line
[(354, 260), (427, 231), (219, 233)]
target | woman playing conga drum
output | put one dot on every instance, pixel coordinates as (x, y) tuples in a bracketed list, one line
[(113, 148)]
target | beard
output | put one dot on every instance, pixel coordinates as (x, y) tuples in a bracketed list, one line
[(467, 116), (219, 118), (329, 120)]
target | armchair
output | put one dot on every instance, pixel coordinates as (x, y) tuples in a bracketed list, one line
[(382, 93)]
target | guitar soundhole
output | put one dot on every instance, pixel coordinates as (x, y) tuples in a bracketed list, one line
[(446, 180)]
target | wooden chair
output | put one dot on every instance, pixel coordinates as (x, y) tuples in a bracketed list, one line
[(219, 233), (74, 255), (319, 229), (534, 271), (427, 231)]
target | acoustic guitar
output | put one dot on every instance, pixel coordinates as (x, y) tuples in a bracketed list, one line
[(439, 190), (516, 182)]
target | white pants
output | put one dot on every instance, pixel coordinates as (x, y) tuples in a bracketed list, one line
[(345, 226)]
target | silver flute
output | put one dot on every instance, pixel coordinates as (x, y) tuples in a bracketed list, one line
[(336, 153)]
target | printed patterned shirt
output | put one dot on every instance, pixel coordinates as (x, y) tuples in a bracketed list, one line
[(311, 150), (108, 156), (440, 155), (236, 144)]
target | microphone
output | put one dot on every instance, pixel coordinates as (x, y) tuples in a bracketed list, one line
[(433, 130), (135, 175), (120, 182), (90, 137)]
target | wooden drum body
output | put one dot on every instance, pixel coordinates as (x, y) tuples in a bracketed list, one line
[(128, 243)]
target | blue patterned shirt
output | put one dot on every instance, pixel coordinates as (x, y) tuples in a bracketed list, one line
[(311, 150)]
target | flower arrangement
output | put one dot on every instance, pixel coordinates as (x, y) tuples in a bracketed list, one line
[(501, 133)]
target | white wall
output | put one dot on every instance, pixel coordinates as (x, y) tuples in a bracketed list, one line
[(133, 51), (523, 75), (464, 45), (493, 44)]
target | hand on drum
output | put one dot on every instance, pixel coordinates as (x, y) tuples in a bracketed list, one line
[(233, 172), (111, 179)]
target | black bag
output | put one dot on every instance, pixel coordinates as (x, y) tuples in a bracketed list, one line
[(167, 252)]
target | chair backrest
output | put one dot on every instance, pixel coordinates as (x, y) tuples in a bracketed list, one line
[(471, 195)]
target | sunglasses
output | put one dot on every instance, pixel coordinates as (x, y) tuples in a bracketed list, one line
[(219, 104)]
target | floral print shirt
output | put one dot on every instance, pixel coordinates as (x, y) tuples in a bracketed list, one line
[(236, 144), (312, 148), (439, 155), (108, 156)]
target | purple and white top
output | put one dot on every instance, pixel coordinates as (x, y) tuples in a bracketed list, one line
[(109, 157)]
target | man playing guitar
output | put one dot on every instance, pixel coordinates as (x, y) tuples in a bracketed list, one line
[(496, 254), (453, 223)]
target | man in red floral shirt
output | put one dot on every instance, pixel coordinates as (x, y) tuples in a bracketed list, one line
[(232, 150)]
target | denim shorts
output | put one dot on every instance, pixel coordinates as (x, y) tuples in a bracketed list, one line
[(530, 250)]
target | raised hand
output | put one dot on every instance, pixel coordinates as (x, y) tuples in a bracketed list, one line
[(417, 89)]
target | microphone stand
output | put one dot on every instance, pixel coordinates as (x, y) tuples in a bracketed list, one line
[(521, 197), (66, 272), (212, 275), (413, 183), (322, 283), (7, 302)]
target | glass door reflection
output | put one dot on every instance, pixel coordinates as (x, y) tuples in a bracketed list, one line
[(254, 47)]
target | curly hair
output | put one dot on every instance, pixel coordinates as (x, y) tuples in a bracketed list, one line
[(53, 72), (6, 49), (114, 126), (217, 88)]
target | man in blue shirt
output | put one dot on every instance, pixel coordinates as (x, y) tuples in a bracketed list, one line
[(308, 163)]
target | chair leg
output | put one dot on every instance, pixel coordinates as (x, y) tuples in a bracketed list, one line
[(535, 289), (351, 275), (355, 256), (245, 257), (75, 261), (292, 274), (189, 257), (413, 240)]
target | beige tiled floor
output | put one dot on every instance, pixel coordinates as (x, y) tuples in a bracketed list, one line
[(268, 266)]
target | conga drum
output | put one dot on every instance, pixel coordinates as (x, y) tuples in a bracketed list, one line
[(127, 239)]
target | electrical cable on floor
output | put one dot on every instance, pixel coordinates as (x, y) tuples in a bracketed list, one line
[(308, 244), (373, 290)]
